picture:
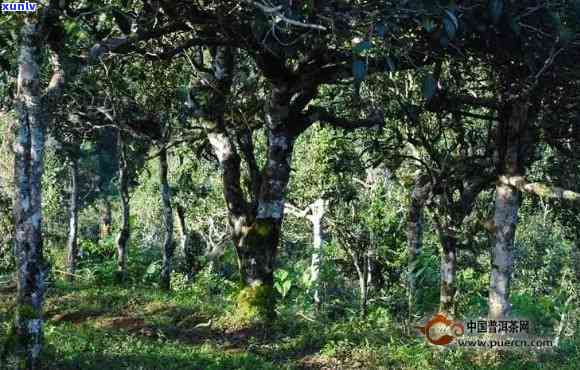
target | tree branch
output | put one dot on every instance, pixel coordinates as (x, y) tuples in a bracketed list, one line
[(119, 43), (539, 189), (275, 12), (170, 53), (318, 114)]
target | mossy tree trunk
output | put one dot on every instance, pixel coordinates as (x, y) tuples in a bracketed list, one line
[(168, 245), (72, 243), (257, 221), (255, 213)]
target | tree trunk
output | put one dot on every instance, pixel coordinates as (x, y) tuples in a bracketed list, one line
[(415, 239), (28, 169), (512, 143), (448, 269), (505, 220), (187, 246), (106, 218), (168, 246), (256, 232), (258, 244), (318, 210), (576, 259), (361, 267), (125, 231), (73, 220)]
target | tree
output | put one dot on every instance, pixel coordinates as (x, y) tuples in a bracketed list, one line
[(34, 108), (168, 245)]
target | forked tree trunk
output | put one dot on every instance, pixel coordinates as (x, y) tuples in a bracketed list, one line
[(168, 246), (255, 225), (448, 272), (125, 230), (28, 169), (258, 242), (72, 243)]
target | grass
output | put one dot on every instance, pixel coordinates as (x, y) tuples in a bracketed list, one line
[(195, 327)]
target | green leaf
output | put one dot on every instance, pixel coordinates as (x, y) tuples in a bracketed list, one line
[(419, 272), (495, 10), (281, 274), (286, 286), (429, 87)]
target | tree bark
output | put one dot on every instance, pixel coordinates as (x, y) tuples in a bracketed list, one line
[(106, 219), (125, 230), (72, 243), (257, 243), (255, 228), (318, 210), (415, 237), (168, 246), (448, 272), (361, 267), (576, 259), (189, 246), (28, 169), (511, 143), (505, 220)]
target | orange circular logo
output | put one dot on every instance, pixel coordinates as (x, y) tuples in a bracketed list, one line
[(441, 331)]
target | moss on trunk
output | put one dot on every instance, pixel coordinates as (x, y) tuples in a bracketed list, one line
[(257, 303)]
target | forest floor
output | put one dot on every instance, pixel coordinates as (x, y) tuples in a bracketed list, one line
[(113, 327)]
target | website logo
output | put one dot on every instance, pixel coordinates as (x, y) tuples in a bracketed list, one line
[(514, 334), (441, 330), (19, 7)]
